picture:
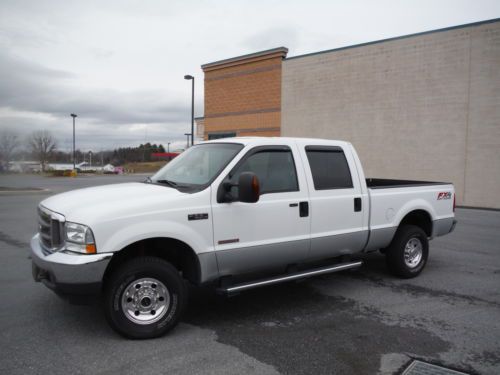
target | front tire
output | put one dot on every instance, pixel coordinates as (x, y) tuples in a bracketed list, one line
[(144, 298), (408, 252)]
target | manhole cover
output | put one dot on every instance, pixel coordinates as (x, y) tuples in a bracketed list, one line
[(423, 368)]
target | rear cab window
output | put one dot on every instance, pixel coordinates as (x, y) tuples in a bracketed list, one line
[(329, 167)]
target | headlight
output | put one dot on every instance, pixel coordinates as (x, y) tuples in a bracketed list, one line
[(79, 238)]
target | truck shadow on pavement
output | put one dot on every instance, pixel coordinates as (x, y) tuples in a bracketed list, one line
[(292, 326), (298, 330)]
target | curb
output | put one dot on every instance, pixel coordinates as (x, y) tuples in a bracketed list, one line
[(25, 191)]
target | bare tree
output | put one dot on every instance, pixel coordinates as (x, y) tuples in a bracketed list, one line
[(43, 144), (9, 142)]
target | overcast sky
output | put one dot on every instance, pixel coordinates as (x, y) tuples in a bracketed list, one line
[(120, 64)]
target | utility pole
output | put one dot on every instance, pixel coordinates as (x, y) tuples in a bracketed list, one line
[(74, 162)]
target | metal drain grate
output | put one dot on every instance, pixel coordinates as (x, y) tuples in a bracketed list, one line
[(423, 368)]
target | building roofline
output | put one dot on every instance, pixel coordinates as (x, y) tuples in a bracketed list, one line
[(240, 59), (397, 38)]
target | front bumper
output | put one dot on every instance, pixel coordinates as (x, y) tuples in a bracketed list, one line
[(68, 274)]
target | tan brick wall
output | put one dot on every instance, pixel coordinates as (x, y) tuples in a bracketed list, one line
[(425, 107), (482, 157), (244, 98)]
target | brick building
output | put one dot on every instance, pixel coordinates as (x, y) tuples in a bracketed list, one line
[(243, 95), (423, 106)]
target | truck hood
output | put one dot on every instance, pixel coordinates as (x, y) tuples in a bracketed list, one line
[(90, 204)]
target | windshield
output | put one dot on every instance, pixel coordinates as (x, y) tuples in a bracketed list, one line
[(199, 165)]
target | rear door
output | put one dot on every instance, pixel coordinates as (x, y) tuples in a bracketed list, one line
[(335, 198), (272, 232)]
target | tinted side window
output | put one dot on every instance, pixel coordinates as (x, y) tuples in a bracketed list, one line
[(329, 168), (274, 168)]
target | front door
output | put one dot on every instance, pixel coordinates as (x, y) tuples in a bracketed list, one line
[(271, 233)]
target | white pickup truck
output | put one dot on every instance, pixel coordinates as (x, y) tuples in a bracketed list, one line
[(237, 213)]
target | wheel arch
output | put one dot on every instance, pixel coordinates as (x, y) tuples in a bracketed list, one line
[(174, 251), (420, 218)]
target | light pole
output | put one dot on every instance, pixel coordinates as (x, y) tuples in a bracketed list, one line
[(74, 116), (187, 143), (168, 147), (189, 77), (90, 158)]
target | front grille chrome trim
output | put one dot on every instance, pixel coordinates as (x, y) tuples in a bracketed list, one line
[(51, 230)]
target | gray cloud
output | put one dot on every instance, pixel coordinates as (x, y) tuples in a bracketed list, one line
[(92, 135), (120, 64), (32, 87), (272, 37), (37, 97)]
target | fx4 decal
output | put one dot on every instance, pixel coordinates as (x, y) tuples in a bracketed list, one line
[(444, 195)]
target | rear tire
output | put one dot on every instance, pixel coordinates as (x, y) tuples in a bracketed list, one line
[(144, 298), (407, 254)]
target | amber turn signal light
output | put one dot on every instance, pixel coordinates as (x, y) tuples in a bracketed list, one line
[(90, 248)]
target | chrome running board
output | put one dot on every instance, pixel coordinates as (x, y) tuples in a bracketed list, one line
[(295, 276)]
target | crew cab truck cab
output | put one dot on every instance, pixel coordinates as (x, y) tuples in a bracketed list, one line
[(235, 214)]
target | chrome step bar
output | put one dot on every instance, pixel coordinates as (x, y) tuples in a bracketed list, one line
[(295, 276)]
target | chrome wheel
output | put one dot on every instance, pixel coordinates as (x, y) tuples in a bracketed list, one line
[(145, 301), (413, 252)]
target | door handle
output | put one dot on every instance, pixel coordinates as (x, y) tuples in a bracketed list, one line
[(293, 204), (304, 209), (357, 204)]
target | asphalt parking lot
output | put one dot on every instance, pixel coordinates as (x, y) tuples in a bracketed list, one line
[(355, 322)]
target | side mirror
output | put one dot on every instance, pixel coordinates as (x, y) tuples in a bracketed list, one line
[(248, 187)]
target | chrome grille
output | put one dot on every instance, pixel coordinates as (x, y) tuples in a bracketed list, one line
[(50, 229)]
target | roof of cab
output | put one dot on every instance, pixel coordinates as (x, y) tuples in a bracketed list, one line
[(271, 140)]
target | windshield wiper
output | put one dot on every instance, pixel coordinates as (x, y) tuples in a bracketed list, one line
[(173, 184)]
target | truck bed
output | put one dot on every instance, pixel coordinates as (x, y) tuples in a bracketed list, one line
[(384, 183), (391, 200)]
